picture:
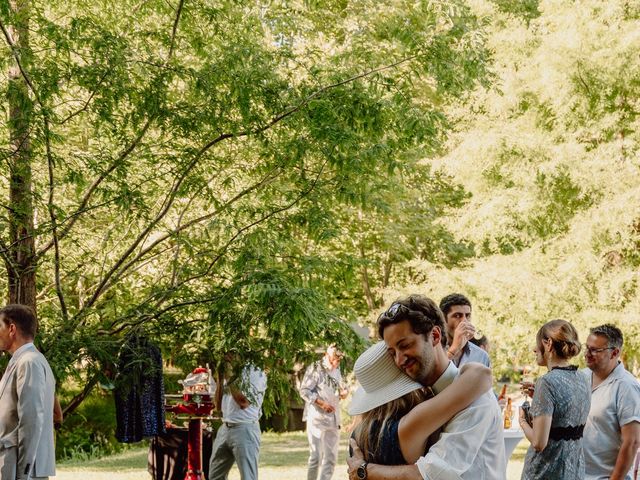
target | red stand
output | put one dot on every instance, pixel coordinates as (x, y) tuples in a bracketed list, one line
[(194, 456), (196, 406)]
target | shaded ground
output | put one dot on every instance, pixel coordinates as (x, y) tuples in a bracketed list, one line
[(283, 457)]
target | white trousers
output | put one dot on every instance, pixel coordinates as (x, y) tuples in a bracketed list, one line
[(323, 451)]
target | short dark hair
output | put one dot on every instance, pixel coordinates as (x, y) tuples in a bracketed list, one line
[(612, 333), (421, 312), (451, 300), (22, 316)]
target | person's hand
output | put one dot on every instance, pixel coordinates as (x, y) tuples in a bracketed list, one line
[(521, 418), (327, 407), (462, 334), (354, 460), (528, 388)]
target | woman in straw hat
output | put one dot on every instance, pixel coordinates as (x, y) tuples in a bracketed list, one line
[(396, 417)]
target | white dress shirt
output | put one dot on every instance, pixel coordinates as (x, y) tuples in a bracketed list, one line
[(471, 445), (252, 384)]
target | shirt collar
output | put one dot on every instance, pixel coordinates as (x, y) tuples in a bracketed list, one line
[(446, 379), (18, 352), (615, 374)]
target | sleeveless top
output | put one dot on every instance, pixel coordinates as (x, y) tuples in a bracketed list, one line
[(388, 451)]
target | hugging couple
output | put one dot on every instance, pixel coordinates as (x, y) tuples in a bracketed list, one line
[(421, 417)]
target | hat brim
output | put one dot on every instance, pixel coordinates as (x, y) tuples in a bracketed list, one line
[(363, 401)]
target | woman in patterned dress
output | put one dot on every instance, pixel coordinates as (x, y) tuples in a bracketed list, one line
[(559, 408)]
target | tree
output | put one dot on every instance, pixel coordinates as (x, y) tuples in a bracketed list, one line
[(183, 155), (549, 157)]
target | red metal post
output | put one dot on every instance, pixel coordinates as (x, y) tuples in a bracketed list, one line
[(194, 455)]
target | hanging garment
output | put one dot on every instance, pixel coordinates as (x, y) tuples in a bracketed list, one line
[(139, 391)]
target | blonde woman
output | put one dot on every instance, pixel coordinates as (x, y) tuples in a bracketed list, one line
[(396, 417), (559, 408)]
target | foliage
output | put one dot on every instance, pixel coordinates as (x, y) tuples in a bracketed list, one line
[(550, 159), (89, 432), (195, 163)]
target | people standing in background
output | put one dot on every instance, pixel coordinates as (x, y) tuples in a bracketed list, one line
[(459, 329), (322, 389), (559, 408), (612, 431), (26, 400), (238, 438)]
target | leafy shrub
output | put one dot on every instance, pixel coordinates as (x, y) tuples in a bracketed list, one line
[(89, 432)]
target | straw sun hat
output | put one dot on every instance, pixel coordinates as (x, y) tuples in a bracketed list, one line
[(380, 380)]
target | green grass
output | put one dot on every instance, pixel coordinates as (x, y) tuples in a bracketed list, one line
[(283, 456)]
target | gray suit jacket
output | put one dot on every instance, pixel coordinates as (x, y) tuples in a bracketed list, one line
[(26, 417)]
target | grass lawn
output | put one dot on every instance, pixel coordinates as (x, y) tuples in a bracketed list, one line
[(283, 456)]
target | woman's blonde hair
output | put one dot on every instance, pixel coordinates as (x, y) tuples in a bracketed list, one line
[(563, 336), (369, 440)]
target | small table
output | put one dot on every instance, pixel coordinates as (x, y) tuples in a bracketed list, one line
[(512, 438)]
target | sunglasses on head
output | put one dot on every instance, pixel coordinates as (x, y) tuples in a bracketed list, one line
[(394, 311)]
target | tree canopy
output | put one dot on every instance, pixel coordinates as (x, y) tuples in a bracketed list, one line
[(223, 175)]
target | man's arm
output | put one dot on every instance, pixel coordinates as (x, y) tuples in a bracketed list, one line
[(630, 443), (30, 386), (309, 390), (380, 472), (455, 452), (242, 401), (253, 380)]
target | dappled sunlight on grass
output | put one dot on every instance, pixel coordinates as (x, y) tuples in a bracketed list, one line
[(282, 457)]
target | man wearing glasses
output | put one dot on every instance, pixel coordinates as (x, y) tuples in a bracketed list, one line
[(612, 432)]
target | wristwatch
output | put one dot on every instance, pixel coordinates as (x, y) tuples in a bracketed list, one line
[(362, 471)]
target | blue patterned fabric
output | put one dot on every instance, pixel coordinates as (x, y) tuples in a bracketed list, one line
[(565, 394), (139, 392)]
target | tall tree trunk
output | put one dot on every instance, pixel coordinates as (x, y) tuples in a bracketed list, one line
[(22, 260)]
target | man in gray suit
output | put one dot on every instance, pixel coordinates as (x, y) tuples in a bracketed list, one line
[(26, 401)]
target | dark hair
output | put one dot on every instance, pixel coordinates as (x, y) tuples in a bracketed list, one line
[(421, 312), (612, 333), (22, 316), (563, 336), (451, 300), (370, 431)]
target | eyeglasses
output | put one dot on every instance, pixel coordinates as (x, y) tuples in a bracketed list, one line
[(393, 311), (591, 350)]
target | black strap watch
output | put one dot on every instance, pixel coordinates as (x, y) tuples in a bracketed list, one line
[(362, 471)]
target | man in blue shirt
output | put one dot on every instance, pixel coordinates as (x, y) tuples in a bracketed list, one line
[(459, 329)]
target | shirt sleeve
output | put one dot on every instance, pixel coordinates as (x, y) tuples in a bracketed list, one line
[(454, 453), (628, 403), (543, 402), (309, 385)]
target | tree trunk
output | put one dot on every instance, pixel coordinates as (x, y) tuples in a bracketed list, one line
[(21, 268)]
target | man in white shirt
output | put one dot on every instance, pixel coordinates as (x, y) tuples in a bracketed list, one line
[(471, 445), (322, 389), (238, 438), (612, 433)]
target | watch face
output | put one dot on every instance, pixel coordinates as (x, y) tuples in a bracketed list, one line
[(362, 471)]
